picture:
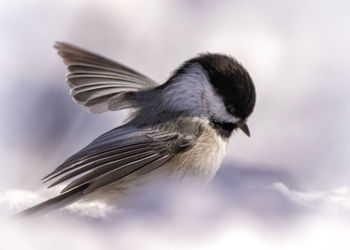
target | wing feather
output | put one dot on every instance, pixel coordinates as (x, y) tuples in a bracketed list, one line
[(93, 152), (116, 174), (117, 154), (116, 166), (75, 67), (109, 79), (96, 161)]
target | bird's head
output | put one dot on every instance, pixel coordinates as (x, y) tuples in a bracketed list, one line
[(217, 87)]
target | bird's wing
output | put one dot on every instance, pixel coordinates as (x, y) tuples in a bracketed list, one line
[(118, 153), (98, 83)]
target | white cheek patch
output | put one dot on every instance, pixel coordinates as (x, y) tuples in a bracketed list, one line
[(193, 92)]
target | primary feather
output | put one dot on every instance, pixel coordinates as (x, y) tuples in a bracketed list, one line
[(117, 154), (98, 83)]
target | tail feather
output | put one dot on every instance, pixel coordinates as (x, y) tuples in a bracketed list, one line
[(57, 202)]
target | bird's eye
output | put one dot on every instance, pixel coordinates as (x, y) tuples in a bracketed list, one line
[(230, 109)]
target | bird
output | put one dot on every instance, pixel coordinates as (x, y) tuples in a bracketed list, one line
[(178, 130)]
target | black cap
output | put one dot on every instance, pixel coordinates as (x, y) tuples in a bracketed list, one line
[(231, 81)]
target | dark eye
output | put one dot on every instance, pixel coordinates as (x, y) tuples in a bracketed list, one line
[(230, 109)]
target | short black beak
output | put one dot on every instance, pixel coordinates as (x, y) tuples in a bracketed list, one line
[(244, 127)]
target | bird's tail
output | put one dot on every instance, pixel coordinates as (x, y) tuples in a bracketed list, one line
[(57, 202)]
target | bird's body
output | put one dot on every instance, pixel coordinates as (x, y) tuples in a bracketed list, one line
[(198, 165), (178, 131)]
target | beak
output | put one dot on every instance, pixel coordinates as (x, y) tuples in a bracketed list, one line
[(244, 127)]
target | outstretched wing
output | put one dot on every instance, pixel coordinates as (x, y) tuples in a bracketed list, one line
[(98, 83), (118, 153)]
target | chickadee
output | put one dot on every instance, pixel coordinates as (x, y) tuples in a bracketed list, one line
[(177, 130)]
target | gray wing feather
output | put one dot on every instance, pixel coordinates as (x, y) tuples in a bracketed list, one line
[(97, 161), (101, 147), (116, 174), (119, 166), (117, 154), (99, 83)]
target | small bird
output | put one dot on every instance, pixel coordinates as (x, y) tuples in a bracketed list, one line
[(178, 130)]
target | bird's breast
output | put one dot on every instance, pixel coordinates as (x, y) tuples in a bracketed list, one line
[(203, 160)]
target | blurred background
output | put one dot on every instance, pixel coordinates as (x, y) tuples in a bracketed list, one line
[(286, 186)]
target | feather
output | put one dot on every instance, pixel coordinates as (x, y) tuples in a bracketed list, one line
[(95, 161), (113, 156), (56, 202), (98, 83), (116, 174), (119, 153), (89, 154), (114, 166)]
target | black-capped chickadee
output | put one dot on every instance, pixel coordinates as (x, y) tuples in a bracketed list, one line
[(179, 129)]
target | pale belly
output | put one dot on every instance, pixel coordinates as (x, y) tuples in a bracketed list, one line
[(201, 162)]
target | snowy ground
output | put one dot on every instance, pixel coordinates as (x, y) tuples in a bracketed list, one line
[(220, 216)]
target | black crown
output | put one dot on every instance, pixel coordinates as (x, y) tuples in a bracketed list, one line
[(230, 80)]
